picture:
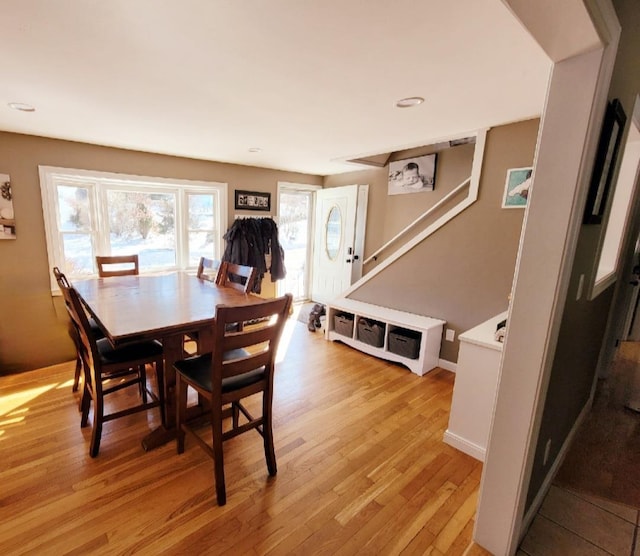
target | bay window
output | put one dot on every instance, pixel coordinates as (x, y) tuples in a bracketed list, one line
[(168, 223)]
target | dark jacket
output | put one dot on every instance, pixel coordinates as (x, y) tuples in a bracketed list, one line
[(248, 241)]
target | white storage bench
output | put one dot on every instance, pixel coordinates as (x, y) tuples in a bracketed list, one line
[(406, 338)]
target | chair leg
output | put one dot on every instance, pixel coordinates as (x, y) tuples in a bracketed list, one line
[(235, 414), (181, 408), (76, 378), (159, 365), (96, 433), (218, 457), (267, 433), (85, 402), (142, 375)]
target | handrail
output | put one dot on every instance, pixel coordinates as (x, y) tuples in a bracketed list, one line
[(430, 210)]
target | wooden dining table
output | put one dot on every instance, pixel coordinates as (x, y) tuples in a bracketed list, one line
[(160, 307)]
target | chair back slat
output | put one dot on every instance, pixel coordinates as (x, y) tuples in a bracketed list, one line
[(117, 265), (236, 276), (208, 269), (259, 340)]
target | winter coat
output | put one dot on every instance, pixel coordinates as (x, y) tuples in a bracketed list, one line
[(248, 241)]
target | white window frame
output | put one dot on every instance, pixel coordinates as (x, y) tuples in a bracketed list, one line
[(51, 177), (607, 263)]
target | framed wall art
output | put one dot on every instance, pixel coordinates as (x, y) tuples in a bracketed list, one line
[(7, 217), (516, 188), (412, 175), (252, 200), (605, 163)]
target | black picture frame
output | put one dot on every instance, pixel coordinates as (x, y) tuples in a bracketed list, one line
[(252, 200), (605, 163)]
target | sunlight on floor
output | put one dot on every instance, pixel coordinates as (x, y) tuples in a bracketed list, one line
[(287, 333), (10, 406), (13, 401)]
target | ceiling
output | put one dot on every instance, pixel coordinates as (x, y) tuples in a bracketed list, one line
[(312, 83)]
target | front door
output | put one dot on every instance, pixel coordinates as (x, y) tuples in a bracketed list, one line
[(337, 260)]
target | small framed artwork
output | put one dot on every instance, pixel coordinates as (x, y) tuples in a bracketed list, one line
[(516, 188), (252, 200), (412, 175), (604, 166), (7, 218)]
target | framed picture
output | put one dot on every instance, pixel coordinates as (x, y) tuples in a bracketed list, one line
[(606, 155), (7, 218), (252, 200), (412, 175), (516, 188)]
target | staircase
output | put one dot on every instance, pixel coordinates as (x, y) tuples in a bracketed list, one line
[(407, 338)]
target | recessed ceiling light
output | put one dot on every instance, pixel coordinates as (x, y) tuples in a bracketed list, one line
[(255, 150), (409, 102), (22, 107)]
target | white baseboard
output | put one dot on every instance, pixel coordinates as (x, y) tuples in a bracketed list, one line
[(553, 470), (447, 365), (464, 445)]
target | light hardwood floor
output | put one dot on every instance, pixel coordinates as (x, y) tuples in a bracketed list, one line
[(362, 469)]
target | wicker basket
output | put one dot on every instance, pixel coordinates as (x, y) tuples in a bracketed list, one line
[(343, 324), (405, 342), (371, 332)]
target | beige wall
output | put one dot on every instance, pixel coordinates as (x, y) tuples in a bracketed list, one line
[(463, 273), (33, 327)]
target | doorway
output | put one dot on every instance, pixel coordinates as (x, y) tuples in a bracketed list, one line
[(295, 225)]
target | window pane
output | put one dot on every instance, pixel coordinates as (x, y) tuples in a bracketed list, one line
[(201, 244), (143, 223), (201, 228), (78, 254), (73, 207), (201, 212)]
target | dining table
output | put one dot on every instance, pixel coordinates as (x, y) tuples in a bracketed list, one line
[(161, 307)]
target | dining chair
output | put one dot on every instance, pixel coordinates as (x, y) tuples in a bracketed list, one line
[(240, 277), (208, 269), (242, 364), (108, 370), (63, 283), (117, 265)]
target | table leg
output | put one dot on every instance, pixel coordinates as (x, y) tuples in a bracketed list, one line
[(173, 351), (173, 348)]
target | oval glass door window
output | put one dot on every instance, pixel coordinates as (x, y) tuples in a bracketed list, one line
[(334, 232)]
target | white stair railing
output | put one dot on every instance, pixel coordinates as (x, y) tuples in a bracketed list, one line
[(431, 210)]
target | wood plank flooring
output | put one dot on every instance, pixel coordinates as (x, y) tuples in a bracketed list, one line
[(362, 469)]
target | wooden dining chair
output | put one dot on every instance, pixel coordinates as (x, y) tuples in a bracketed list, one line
[(117, 265), (241, 365), (63, 283), (208, 269), (108, 370), (236, 276)]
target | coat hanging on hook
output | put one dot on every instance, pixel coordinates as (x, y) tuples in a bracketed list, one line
[(249, 241)]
